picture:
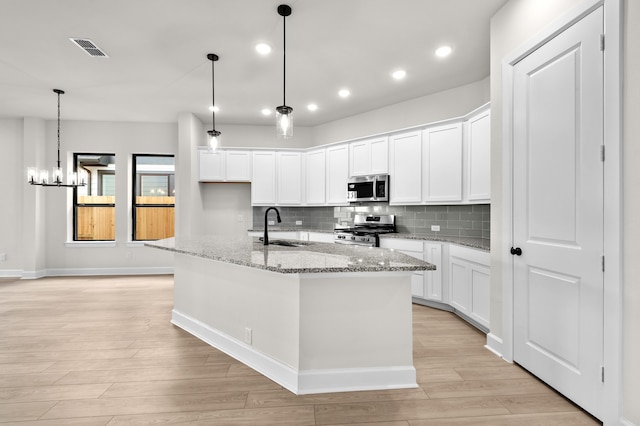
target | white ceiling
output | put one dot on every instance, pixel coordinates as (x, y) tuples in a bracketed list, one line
[(157, 65)]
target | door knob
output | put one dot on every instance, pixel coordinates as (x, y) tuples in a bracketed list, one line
[(516, 251)]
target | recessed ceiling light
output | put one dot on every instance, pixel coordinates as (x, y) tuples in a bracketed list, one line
[(399, 74), (263, 48), (344, 93), (443, 51), (266, 111), (214, 108), (312, 107)]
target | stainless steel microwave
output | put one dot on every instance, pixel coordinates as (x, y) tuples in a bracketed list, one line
[(368, 188)]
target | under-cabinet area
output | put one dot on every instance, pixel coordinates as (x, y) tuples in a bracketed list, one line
[(447, 162)]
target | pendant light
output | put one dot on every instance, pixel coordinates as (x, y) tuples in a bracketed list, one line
[(214, 135), (284, 113), (41, 178)]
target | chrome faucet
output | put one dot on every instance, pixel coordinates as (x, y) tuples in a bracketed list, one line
[(265, 238)]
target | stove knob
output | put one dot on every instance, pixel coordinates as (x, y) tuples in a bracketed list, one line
[(353, 238)]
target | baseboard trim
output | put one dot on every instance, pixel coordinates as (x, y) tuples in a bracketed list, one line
[(10, 273), (33, 275), (62, 272), (494, 344), (625, 422), (300, 382)]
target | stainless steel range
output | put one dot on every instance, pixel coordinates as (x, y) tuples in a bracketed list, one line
[(366, 230)]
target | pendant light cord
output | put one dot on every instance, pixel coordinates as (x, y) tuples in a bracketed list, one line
[(213, 94), (284, 60), (58, 130)]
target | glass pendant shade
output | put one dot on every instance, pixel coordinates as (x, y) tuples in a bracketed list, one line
[(214, 139), (284, 121)]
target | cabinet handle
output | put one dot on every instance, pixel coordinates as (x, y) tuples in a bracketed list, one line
[(516, 251)]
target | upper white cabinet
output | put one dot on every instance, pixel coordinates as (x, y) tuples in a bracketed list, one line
[(405, 168), (337, 174), (368, 157), (263, 185), (289, 181), (315, 177), (224, 166), (442, 163), (211, 166), (478, 159), (238, 166)]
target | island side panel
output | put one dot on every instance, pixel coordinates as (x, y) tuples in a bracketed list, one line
[(356, 331), (229, 298)]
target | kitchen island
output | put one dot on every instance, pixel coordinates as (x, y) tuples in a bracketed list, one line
[(313, 317)]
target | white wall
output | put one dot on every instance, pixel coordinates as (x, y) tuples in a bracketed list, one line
[(13, 183), (262, 136), (415, 112)]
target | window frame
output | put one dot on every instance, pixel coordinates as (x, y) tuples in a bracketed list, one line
[(137, 186), (76, 204)]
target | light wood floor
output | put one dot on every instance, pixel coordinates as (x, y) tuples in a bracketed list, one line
[(101, 351)]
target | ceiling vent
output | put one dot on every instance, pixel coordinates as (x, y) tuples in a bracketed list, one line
[(89, 47)]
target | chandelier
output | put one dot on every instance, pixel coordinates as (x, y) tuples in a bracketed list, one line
[(41, 177)]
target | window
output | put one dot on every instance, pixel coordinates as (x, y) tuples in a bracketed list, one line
[(94, 205), (153, 197)]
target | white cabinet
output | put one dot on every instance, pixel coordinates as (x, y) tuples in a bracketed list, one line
[(368, 157), (316, 177), (405, 168), (478, 158), (442, 163), (224, 166), (289, 178), (211, 166), (434, 290), (337, 174), (413, 248), (238, 166), (469, 283), (263, 184)]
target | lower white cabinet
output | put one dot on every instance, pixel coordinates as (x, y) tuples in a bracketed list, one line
[(469, 283), (434, 290), (413, 248)]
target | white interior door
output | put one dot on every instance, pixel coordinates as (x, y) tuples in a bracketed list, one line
[(558, 212)]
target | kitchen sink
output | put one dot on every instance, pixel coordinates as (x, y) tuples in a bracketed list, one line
[(284, 243)]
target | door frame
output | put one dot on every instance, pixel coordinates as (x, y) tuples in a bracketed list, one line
[(613, 207)]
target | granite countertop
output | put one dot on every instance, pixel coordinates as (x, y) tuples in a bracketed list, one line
[(303, 257), (478, 243)]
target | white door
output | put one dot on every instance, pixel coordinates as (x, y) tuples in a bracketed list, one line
[(558, 212)]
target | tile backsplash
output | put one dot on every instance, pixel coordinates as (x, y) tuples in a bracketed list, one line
[(454, 220)]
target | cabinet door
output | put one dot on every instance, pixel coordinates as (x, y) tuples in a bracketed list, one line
[(406, 168), (263, 184), (478, 145), (337, 174), (442, 163), (411, 248), (433, 279), (238, 166), (211, 166), (469, 283), (289, 184), (359, 158), (316, 177), (379, 154)]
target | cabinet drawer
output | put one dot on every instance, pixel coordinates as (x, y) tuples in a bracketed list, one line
[(402, 245)]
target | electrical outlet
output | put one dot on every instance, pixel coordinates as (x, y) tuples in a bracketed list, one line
[(271, 222), (298, 222), (435, 228), (128, 255), (247, 335), (240, 218), (3, 257)]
